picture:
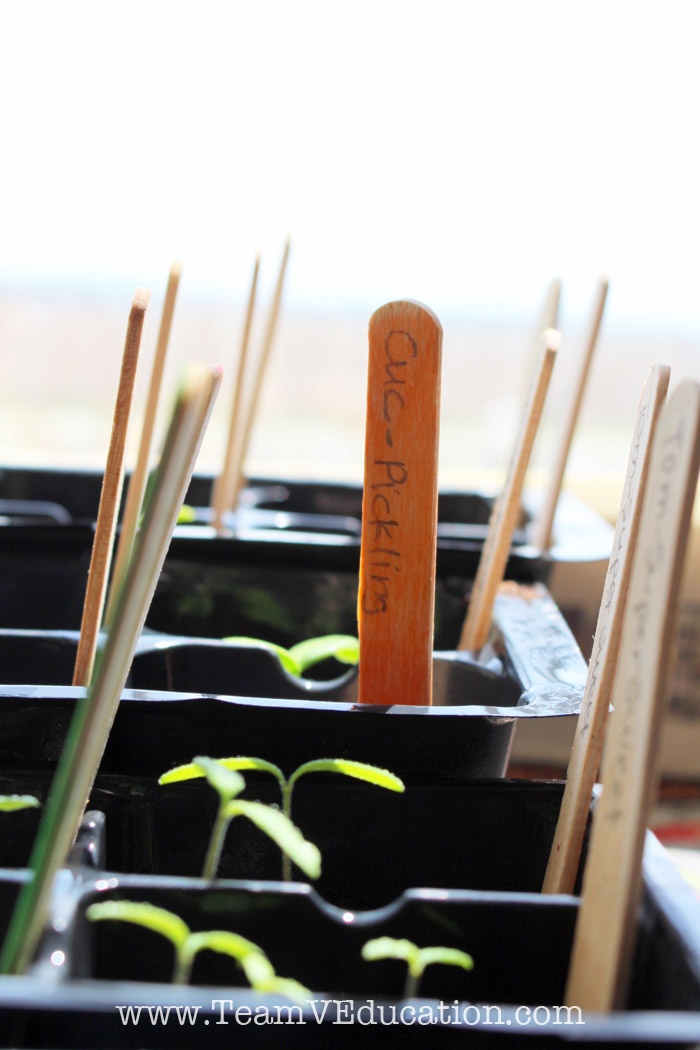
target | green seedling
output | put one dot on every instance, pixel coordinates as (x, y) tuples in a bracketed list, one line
[(10, 803), (416, 958), (228, 784), (305, 655), (252, 960), (359, 770)]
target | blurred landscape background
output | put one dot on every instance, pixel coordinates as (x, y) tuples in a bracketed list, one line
[(62, 350), (462, 155)]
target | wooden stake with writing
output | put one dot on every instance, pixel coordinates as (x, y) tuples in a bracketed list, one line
[(494, 554), (399, 510), (106, 525), (590, 728), (604, 935)]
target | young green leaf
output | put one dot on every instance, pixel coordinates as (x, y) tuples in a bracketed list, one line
[(227, 943), (192, 770), (359, 770), (343, 647), (446, 956), (281, 830), (285, 657), (225, 782), (417, 958), (239, 762), (153, 918), (10, 803), (389, 948), (286, 986), (258, 969)]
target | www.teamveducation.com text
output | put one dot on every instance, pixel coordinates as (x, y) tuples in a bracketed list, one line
[(349, 1011)]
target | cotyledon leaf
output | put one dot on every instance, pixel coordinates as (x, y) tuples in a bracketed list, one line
[(360, 770), (142, 914), (10, 803), (343, 647), (280, 828)]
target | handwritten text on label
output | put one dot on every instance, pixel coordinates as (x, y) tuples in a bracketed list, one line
[(389, 476)]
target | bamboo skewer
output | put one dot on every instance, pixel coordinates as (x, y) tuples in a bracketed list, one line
[(550, 310), (263, 359), (224, 493), (137, 484), (109, 499), (399, 510), (542, 535), (547, 318), (494, 555), (92, 720), (604, 935), (590, 729)]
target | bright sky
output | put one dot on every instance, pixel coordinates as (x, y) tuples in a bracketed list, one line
[(459, 153)]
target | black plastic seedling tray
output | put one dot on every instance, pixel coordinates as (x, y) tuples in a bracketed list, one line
[(87, 975), (189, 696)]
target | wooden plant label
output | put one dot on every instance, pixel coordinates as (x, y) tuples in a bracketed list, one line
[(605, 929), (399, 509), (590, 728)]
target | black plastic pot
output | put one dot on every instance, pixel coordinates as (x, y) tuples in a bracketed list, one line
[(375, 843), (284, 505), (273, 584), (520, 943), (288, 575), (75, 495), (257, 708)]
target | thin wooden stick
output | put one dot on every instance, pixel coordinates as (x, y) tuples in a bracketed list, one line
[(399, 509), (262, 363), (590, 729), (547, 318), (494, 555), (110, 496), (542, 533), (137, 484), (92, 720), (605, 929), (224, 489)]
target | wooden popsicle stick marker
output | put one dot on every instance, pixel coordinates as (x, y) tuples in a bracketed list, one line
[(542, 536), (399, 508), (590, 728), (137, 484), (92, 719), (107, 514), (605, 929), (494, 555), (224, 490)]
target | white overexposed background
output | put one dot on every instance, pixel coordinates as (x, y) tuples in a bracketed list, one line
[(463, 154)]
